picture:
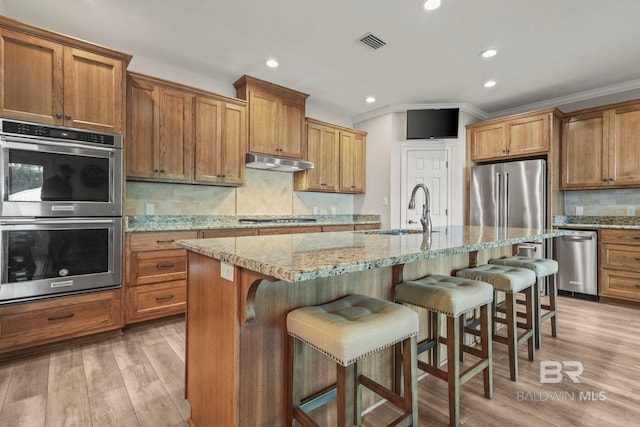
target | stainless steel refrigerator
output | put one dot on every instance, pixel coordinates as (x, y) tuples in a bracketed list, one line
[(511, 194)]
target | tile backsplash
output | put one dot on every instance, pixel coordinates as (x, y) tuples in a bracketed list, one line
[(265, 193), (615, 202)]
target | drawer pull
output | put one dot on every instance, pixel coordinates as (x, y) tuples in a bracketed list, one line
[(165, 265), (162, 299), (637, 285), (66, 316), (166, 241)]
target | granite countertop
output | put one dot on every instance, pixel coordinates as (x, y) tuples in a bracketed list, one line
[(595, 222), (298, 257), (140, 223)]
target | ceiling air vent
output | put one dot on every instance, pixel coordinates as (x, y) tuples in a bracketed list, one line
[(373, 41)]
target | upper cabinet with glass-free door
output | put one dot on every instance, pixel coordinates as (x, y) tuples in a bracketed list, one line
[(48, 78), (601, 147)]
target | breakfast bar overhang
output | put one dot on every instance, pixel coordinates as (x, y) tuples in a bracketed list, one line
[(240, 290)]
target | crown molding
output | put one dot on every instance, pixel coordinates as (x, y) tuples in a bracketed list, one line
[(569, 99), (402, 108)]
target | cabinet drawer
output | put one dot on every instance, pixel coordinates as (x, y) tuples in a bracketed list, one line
[(229, 233), (366, 226), (626, 237), (290, 230), (346, 227), (158, 266), (623, 257), (158, 241), (152, 301), (23, 325), (622, 284)]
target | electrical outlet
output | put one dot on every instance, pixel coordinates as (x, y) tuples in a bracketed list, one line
[(315, 210), (148, 208), (385, 201), (333, 210), (579, 210), (226, 271), (631, 211)]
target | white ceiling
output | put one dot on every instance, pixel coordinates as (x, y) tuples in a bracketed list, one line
[(548, 49)]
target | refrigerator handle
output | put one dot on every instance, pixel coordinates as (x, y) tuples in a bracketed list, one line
[(498, 194), (505, 206)]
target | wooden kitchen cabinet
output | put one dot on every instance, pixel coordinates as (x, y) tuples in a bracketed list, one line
[(323, 150), (620, 264), (338, 155), (220, 141), (268, 231), (34, 323), (276, 117), (353, 157), (601, 147), (514, 136), (156, 274), (176, 133), (159, 131), (53, 79)]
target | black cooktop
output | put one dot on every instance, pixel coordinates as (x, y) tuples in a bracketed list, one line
[(275, 220)]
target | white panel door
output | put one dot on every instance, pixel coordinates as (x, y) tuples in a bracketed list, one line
[(429, 167)]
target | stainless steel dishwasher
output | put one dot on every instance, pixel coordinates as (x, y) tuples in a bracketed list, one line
[(577, 256)]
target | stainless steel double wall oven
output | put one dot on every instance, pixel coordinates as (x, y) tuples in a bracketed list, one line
[(60, 211)]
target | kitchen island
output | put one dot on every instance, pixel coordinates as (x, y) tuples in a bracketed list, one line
[(240, 290)]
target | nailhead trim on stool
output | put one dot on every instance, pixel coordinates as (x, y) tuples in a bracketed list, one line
[(347, 330), (510, 280), (453, 297), (542, 267)]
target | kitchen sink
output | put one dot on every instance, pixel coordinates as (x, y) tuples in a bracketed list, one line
[(397, 232)]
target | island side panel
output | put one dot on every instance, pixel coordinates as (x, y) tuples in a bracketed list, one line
[(212, 344), (263, 346)]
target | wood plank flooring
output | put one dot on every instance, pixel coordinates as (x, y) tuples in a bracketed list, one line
[(137, 379)]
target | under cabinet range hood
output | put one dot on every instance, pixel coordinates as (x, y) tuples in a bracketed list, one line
[(273, 163)]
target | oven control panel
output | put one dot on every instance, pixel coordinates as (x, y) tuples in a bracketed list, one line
[(33, 129)]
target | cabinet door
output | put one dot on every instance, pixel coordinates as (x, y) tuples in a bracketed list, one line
[(624, 146), (31, 78), (263, 122), (291, 127), (234, 143), (323, 150), (208, 159), (93, 91), (352, 162), (175, 140), (584, 155), (488, 142), (141, 151), (528, 136)]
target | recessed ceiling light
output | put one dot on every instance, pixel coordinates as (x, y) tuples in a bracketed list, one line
[(432, 4), (489, 53), (370, 99), (490, 83), (272, 63)]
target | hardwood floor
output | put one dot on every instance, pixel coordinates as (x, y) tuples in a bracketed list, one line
[(137, 379)]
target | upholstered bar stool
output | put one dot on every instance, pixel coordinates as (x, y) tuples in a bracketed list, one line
[(347, 330), (510, 281), (542, 267), (452, 297)]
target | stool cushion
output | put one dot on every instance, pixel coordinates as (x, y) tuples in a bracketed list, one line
[(541, 266), (353, 326), (448, 295), (502, 278)]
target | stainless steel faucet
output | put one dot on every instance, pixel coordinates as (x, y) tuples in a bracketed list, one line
[(425, 220)]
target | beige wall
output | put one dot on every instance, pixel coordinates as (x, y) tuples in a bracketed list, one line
[(265, 193)]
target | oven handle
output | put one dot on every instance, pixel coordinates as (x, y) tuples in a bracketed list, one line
[(21, 221), (17, 142)]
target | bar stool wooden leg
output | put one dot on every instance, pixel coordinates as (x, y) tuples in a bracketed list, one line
[(529, 301), (486, 321), (453, 369), (435, 333), (553, 305), (512, 334), (346, 376), (537, 312)]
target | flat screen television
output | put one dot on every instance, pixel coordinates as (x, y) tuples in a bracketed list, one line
[(432, 123)]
